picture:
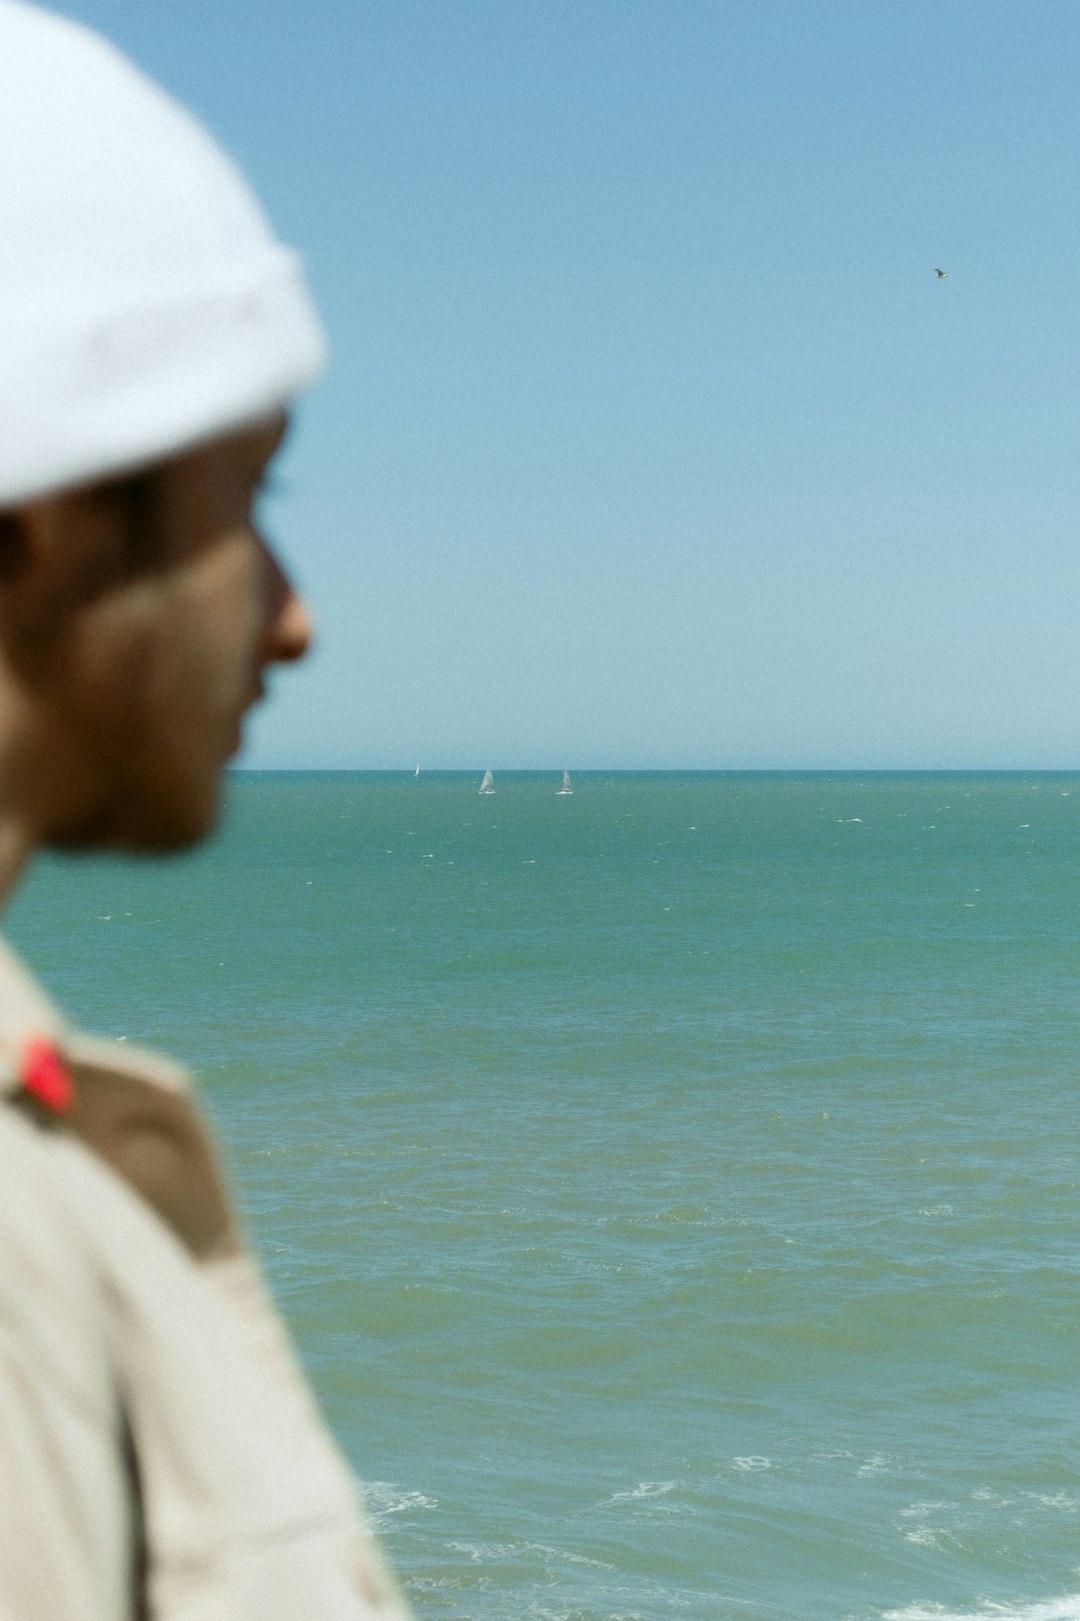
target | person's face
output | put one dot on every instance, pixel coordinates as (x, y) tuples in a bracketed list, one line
[(158, 610)]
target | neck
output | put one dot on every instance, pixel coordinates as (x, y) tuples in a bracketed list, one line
[(20, 755), (16, 848)]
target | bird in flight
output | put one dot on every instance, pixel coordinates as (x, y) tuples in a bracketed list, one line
[(941, 274)]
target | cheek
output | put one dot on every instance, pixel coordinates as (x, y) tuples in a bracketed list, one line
[(225, 607), (118, 658), (168, 652)]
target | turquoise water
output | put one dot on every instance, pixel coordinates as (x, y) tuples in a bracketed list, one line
[(673, 1188)]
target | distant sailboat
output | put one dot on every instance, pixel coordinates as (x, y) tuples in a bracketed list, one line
[(488, 784), (566, 788), (416, 773)]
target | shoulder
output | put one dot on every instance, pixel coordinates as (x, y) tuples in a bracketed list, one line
[(133, 1109), (136, 1112)]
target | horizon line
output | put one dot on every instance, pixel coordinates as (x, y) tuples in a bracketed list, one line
[(663, 770)]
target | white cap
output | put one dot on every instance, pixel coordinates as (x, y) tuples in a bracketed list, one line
[(145, 303)]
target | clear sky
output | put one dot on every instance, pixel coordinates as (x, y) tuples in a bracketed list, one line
[(651, 438)]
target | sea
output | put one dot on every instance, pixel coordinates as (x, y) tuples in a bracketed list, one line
[(673, 1187)]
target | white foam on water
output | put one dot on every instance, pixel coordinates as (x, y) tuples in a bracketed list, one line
[(644, 1488), (751, 1465), (384, 1498), (490, 1553), (929, 1536), (541, 1612), (482, 1553), (1054, 1609), (567, 1558)]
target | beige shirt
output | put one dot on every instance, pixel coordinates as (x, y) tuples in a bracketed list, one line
[(160, 1454)]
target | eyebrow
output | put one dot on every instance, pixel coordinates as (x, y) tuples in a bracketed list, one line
[(282, 428)]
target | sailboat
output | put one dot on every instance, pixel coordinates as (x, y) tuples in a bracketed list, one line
[(488, 784), (416, 773), (566, 788)]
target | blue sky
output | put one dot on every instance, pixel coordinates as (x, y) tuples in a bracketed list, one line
[(651, 439)]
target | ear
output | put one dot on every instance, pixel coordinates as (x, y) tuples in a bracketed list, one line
[(14, 544), (64, 549), (32, 535), (26, 608), (55, 555)]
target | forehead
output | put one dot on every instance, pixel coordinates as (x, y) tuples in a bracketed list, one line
[(256, 443), (225, 468)]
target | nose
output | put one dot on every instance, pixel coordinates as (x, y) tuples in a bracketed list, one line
[(288, 629)]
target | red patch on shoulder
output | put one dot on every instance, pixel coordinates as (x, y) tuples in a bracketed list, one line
[(45, 1075)]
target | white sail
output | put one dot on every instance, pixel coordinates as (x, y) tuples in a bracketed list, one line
[(416, 773), (566, 787), (488, 784)]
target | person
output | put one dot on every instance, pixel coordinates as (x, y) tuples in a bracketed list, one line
[(160, 1454)]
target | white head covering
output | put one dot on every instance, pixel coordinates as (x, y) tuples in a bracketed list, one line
[(145, 303)]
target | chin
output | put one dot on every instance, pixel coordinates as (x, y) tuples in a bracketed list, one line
[(159, 817)]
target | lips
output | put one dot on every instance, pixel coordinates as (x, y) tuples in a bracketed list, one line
[(256, 696)]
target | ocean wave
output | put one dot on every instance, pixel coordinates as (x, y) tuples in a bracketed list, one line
[(644, 1488), (383, 1498), (1066, 1608), (494, 1553)]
